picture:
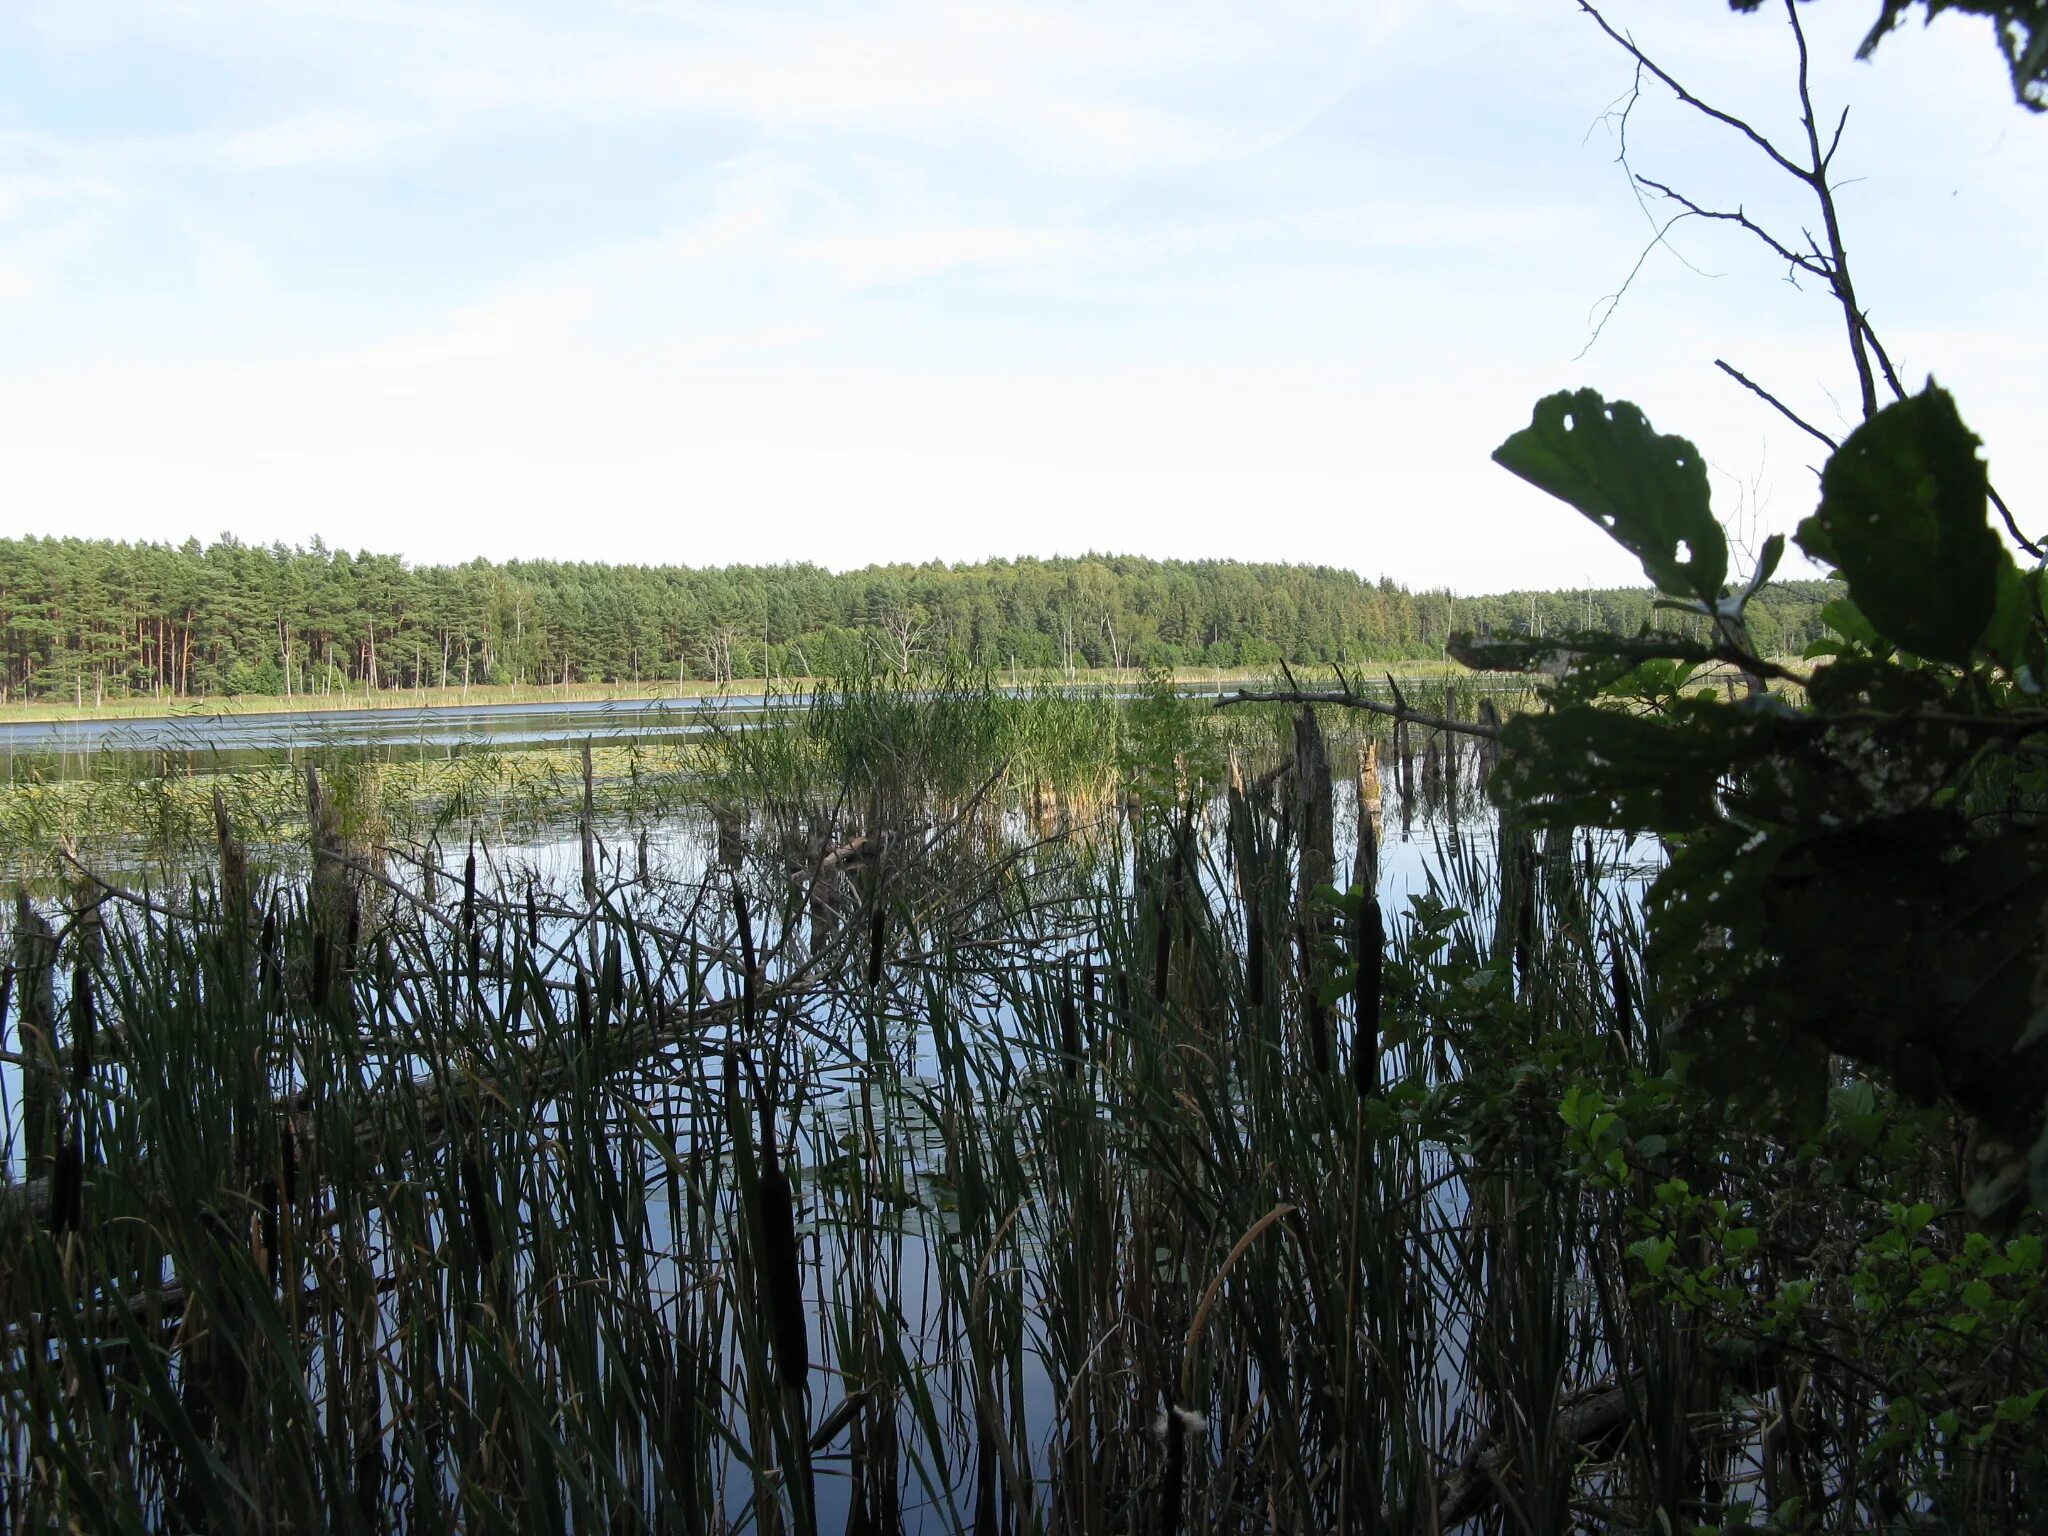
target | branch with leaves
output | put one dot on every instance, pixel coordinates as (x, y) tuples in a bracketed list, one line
[(1828, 260), (1848, 876)]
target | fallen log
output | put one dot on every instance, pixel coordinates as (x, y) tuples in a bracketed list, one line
[(1487, 1472)]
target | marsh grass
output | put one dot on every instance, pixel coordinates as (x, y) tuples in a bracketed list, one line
[(1075, 1170), (125, 814)]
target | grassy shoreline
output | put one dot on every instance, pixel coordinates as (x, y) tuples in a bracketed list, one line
[(403, 700)]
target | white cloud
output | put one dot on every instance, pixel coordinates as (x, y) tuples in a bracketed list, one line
[(310, 138), (32, 258), (1114, 87)]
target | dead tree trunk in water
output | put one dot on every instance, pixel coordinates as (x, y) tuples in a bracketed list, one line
[(1316, 817), (587, 829), (35, 969)]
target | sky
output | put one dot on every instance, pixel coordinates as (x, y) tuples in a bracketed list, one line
[(908, 280)]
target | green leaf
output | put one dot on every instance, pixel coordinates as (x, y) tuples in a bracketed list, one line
[(2015, 615), (1577, 1106), (1903, 517), (1648, 492), (1854, 1106), (1846, 620), (1766, 564), (1654, 1253), (2021, 1406)]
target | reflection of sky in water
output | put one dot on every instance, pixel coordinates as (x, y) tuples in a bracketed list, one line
[(194, 743)]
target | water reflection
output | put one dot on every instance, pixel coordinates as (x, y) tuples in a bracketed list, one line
[(194, 743)]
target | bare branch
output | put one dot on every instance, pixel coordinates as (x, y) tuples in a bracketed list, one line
[(1613, 300), (1617, 112), (1828, 262), (1816, 264), (123, 894), (1778, 157), (1348, 698), (1836, 142), (1782, 408), (2011, 526), (1844, 290), (1884, 360)]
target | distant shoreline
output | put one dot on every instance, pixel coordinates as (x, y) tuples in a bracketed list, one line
[(412, 700)]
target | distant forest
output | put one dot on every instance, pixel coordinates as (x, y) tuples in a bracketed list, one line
[(89, 619)]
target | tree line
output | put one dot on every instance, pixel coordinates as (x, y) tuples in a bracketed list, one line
[(89, 619)]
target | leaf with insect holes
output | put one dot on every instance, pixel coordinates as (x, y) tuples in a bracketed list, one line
[(1903, 515), (1648, 492)]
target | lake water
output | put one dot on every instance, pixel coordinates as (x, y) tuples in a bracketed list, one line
[(195, 741), (198, 743)]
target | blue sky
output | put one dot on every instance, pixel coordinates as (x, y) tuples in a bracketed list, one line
[(636, 280)]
